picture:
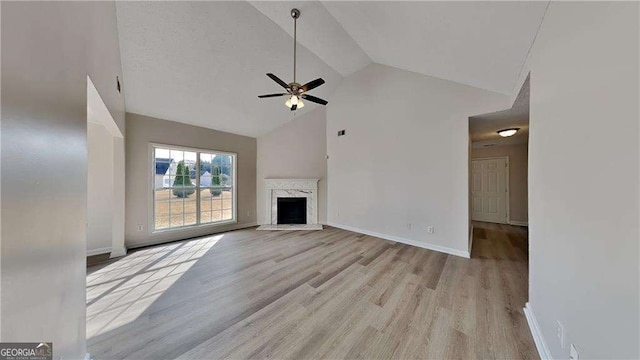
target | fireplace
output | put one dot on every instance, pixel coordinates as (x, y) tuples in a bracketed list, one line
[(292, 210), (291, 204)]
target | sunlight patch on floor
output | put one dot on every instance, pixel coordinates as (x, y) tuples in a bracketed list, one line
[(121, 292)]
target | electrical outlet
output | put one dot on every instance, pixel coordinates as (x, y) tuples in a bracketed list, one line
[(430, 229), (140, 227), (409, 225), (560, 333), (574, 353)]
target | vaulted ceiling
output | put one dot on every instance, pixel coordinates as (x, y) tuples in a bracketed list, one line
[(478, 43), (204, 63)]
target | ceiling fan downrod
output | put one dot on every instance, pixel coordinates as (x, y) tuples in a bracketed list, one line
[(294, 91), (295, 14)]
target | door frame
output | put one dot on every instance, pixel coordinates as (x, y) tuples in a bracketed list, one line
[(508, 192)]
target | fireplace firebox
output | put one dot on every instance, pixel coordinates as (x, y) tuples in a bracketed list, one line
[(292, 210)]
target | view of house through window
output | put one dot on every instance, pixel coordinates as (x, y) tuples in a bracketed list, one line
[(192, 187)]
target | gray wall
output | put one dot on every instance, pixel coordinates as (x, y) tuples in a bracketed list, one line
[(404, 159), (48, 48), (297, 149), (518, 163), (143, 130), (583, 179)]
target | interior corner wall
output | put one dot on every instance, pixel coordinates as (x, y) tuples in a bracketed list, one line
[(403, 164), (48, 49), (584, 179), (100, 189), (144, 130), (518, 163), (297, 149), (104, 64)]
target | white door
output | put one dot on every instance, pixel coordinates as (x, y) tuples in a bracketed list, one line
[(489, 190)]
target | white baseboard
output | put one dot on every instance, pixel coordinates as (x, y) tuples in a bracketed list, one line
[(98, 251), (518, 223), (538, 339), (118, 252), (442, 249)]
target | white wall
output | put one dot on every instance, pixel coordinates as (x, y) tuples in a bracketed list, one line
[(404, 159), (583, 178), (297, 149), (119, 188), (103, 59), (100, 189), (48, 48)]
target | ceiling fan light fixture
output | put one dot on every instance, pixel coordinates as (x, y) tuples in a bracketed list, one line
[(294, 100), (295, 91), (508, 132)]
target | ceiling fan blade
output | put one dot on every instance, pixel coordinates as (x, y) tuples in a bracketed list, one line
[(271, 95), (314, 99), (294, 107), (312, 84), (277, 79)]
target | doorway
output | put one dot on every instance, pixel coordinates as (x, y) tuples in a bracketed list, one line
[(490, 190), (498, 175)]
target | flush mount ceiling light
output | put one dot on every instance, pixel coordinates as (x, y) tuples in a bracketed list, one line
[(508, 132), (296, 92)]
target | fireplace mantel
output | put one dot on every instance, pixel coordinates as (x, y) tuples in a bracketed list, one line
[(291, 184), (291, 188)]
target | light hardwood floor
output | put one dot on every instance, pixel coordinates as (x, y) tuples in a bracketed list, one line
[(328, 294)]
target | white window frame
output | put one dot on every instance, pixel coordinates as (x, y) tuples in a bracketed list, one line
[(152, 172)]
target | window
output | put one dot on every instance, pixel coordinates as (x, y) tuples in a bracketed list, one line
[(192, 187)]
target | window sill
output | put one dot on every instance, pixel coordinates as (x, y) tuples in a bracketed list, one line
[(198, 226)]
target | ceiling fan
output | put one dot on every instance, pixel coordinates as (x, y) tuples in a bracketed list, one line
[(296, 92)]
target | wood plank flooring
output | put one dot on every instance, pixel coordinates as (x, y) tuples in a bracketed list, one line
[(329, 294)]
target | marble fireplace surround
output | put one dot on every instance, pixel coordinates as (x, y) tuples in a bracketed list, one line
[(307, 188)]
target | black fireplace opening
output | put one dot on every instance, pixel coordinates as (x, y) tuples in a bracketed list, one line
[(292, 210)]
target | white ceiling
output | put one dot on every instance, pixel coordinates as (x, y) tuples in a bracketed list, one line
[(204, 63), (478, 43), (483, 128)]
